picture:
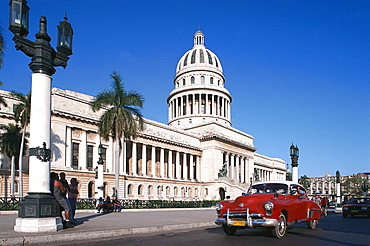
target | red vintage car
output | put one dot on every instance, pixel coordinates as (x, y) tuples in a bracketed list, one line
[(275, 205)]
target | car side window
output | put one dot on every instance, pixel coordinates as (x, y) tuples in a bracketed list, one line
[(301, 192)]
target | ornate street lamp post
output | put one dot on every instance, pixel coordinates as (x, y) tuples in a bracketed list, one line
[(294, 154), (39, 211), (99, 178), (365, 187), (337, 175)]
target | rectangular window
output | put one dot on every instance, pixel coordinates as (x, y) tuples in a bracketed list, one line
[(89, 161), (75, 147)]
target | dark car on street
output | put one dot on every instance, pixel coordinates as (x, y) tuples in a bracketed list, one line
[(357, 206)]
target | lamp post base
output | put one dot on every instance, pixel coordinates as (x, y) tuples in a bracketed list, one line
[(38, 212), (38, 224)]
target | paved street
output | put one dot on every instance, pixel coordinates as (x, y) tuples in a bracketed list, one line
[(184, 227), (332, 231), (92, 225)]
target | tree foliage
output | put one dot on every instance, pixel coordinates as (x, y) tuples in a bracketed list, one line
[(10, 140), (304, 180), (353, 185), (122, 117)]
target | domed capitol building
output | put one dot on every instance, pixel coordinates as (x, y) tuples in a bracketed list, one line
[(197, 156)]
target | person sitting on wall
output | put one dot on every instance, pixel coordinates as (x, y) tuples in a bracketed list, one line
[(99, 204), (108, 205), (117, 206)]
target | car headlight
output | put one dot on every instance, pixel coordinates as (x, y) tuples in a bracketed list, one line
[(268, 206), (219, 208)]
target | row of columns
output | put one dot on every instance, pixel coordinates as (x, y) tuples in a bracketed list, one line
[(237, 167), (199, 104), (315, 185), (264, 175), (153, 161)]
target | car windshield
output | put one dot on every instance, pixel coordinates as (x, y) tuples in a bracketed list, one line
[(268, 188), (359, 201)]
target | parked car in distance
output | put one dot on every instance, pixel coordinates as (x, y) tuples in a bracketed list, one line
[(274, 205), (357, 206)]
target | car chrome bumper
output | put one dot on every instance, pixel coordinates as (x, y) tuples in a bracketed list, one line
[(249, 223)]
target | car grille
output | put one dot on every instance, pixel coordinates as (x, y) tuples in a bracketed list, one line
[(242, 214)]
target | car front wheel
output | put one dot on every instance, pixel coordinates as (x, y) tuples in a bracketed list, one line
[(311, 224), (229, 230), (280, 230)]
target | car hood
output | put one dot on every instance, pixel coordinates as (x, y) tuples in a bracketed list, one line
[(253, 201)]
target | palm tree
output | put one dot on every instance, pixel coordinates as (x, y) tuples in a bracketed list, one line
[(304, 180), (22, 112), (10, 140), (122, 118)]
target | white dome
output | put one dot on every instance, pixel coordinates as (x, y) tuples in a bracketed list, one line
[(199, 58)]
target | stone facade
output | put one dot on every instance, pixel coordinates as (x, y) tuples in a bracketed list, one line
[(198, 155)]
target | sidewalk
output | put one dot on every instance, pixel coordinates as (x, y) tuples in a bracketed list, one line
[(93, 225)]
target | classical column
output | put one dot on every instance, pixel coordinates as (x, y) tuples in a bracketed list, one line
[(153, 161), (178, 176), (161, 163), (242, 163), (237, 163), (83, 150), (197, 168), (143, 166), (170, 168), (134, 159), (191, 166), (124, 154), (69, 147), (184, 167), (232, 168)]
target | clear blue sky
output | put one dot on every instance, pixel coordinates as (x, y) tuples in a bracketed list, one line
[(298, 71)]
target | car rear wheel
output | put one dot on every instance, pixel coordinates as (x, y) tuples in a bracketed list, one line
[(229, 230), (311, 224), (280, 230)]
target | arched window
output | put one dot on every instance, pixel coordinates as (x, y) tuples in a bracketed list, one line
[(175, 191), (216, 62), (192, 79), (150, 190), (167, 191), (209, 58), (193, 56), (90, 189), (140, 190), (183, 82), (186, 60), (202, 80), (201, 56), (129, 189), (211, 80)]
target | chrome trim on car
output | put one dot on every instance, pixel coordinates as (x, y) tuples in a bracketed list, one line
[(253, 222), (251, 219)]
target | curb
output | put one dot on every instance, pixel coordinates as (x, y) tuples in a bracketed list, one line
[(57, 238), (83, 211)]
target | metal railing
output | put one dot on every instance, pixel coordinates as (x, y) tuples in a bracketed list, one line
[(11, 204)]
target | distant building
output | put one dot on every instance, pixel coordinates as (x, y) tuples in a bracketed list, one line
[(198, 155), (326, 185)]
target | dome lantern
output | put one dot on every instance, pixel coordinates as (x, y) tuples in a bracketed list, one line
[(198, 38)]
